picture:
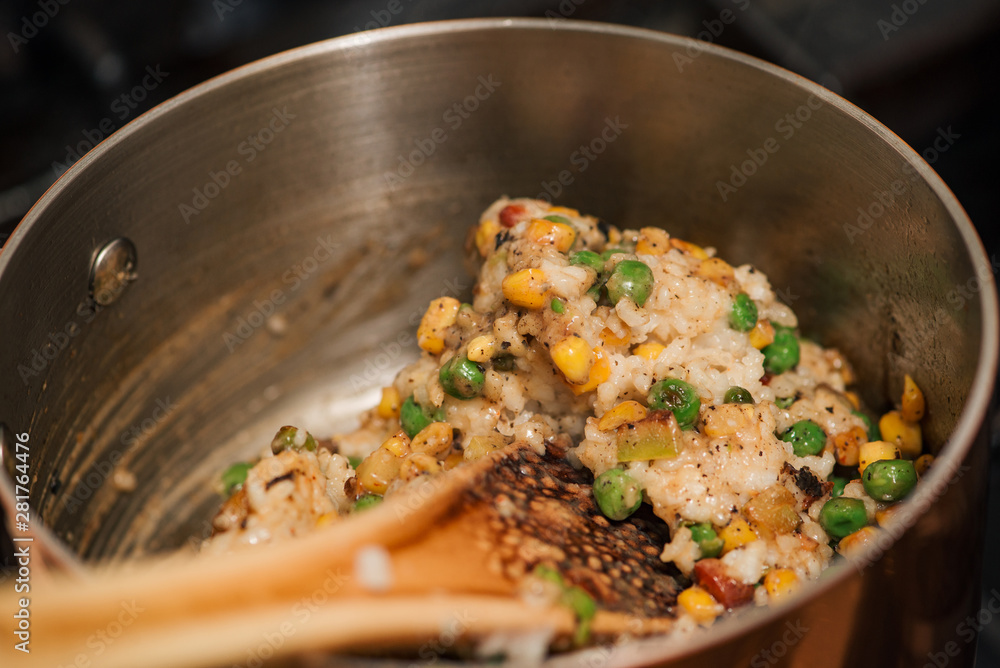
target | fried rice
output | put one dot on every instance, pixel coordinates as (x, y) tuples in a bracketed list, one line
[(579, 331)]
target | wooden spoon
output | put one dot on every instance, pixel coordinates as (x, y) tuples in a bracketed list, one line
[(463, 542)]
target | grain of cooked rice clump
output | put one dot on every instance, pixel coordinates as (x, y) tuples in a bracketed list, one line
[(579, 330)]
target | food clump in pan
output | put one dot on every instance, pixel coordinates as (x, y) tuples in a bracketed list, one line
[(677, 384)]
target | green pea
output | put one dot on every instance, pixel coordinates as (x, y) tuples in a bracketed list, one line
[(413, 418), (292, 438), (595, 262), (783, 353), (584, 608), (557, 219), (784, 402), (678, 397), (806, 437), (582, 633), (575, 598), (354, 461), (743, 316), (587, 258), (366, 501), (632, 279), (874, 433), (608, 252), (843, 516), (889, 479), (549, 574), (617, 494), (557, 306), (462, 378), (737, 395), (708, 540), (580, 602), (234, 477), (839, 484)]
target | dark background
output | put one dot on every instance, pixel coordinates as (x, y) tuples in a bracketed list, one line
[(921, 67)]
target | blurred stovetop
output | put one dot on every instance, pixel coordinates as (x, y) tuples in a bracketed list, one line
[(72, 76)]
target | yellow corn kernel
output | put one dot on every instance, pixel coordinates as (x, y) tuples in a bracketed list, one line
[(574, 358), (885, 515), (906, 435), (762, 334), (728, 419), (612, 339), (599, 373), (847, 445), (480, 446), (614, 237), (381, 467), (482, 348), (716, 270), (623, 413), (454, 458), (781, 583), (397, 445), (923, 464), (689, 248), (875, 451), (854, 399), (737, 534), (699, 604), (559, 235), (433, 439), (325, 519), (388, 407), (856, 542), (648, 351), (418, 464), (913, 401), (525, 288), (486, 236), (377, 471), (652, 241), (564, 211), (440, 315)]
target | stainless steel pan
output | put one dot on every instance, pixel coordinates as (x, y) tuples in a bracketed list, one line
[(281, 214)]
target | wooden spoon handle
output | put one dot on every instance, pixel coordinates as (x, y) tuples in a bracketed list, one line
[(441, 553), (364, 623), (285, 572), (238, 637)]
